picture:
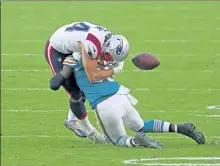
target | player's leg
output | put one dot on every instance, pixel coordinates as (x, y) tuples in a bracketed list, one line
[(133, 121), (187, 129), (157, 126), (54, 59), (77, 103), (109, 114)]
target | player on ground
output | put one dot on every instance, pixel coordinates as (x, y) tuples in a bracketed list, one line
[(62, 43), (113, 103)]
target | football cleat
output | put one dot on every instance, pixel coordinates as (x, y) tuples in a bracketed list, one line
[(98, 137), (76, 127), (141, 139), (188, 129)]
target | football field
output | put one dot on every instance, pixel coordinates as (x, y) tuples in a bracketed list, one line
[(185, 37)]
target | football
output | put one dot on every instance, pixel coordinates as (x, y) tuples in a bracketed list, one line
[(145, 61)]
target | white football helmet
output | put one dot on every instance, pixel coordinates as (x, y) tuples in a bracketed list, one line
[(118, 47)]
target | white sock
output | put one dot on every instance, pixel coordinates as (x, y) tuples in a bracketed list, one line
[(87, 125), (71, 116), (166, 126), (175, 128), (126, 141)]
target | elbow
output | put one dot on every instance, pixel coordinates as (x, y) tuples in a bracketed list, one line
[(93, 77)]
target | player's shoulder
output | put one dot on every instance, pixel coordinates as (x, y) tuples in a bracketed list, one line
[(96, 37)]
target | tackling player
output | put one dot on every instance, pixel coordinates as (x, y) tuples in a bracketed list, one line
[(113, 103), (62, 43)]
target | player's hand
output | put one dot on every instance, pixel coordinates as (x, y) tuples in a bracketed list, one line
[(119, 68), (76, 56), (69, 61)]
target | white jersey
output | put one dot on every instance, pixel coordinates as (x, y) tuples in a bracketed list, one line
[(65, 39)]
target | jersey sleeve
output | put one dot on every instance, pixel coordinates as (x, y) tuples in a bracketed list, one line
[(92, 45)]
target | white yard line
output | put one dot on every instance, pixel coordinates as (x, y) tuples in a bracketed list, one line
[(181, 41), (141, 110), (156, 8), (129, 28), (139, 89), (210, 116), (35, 54), (159, 55), (21, 54), (26, 89), (134, 70), (147, 110), (214, 107), (31, 111), (148, 41), (178, 164), (169, 161), (187, 29), (66, 136), (25, 70)]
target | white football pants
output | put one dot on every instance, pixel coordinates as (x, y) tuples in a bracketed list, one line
[(117, 112)]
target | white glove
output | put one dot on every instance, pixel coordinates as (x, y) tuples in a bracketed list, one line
[(72, 59), (119, 68), (69, 61), (76, 56)]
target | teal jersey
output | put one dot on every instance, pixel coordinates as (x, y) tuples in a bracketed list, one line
[(95, 92)]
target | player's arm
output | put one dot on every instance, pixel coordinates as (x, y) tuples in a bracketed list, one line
[(57, 81), (91, 67)]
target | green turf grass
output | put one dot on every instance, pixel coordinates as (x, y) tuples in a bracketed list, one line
[(184, 35)]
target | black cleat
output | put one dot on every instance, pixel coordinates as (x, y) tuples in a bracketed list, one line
[(188, 129), (142, 140)]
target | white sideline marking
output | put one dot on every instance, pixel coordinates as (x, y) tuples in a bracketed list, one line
[(139, 89), (66, 136), (136, 70), (147, 161)]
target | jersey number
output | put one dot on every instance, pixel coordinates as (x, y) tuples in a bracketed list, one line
[(78, 27)]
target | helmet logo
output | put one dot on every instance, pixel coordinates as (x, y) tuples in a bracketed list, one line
[(119, 48)]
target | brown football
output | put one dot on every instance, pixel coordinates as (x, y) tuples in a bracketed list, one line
[(145, 61)]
